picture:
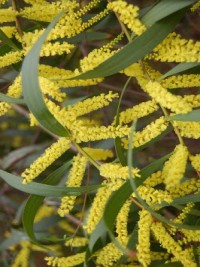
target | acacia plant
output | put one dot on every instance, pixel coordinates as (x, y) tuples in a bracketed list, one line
[(100, 122)]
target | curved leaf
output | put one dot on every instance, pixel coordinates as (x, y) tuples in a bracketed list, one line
[(31, 88)]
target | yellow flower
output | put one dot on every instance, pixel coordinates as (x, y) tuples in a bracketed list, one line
[(108, 256), (91, 104), (152, 196), (174, 48), (188, 129), (193, 100), (151, 131), (22, 258), (66, 261), (10, 58), (14, 90), (46, 159), (76, 242), (185, 188), (94, 19), (115, 170), (85, 134), (60, 77), (99, 202), (8, 30), (98, 153), (122, 223), (195, 161), (181, 81), (195, 6), (174, 168), (74, 180), (128, 14), (7, 15), (143, 247), (171, 245), (173, 102), (138, 111), (155, 179)]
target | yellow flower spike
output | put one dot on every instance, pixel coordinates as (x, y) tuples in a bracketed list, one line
[(128, 14), (143, 247), (174, 168), (8, 30), (91, 104), (98, 153), (181, 217), (188, 129), (66, 261), (138, 111), (22, 258), (122, 223), (74, 180), (87, 8), (153, 196), (181, 81), (151, 131), (99, 202), (85, 134), (76, 242), (195, 6), (155, 179), (160, 94), (36, 11), (185, 188), (108, 256), (174, 48), (195, 161), (33, 120), (171, 245), (10, 58), (94, 19), (7, 15), (115, 170), (193, 100), (14, 90), (46, 159)]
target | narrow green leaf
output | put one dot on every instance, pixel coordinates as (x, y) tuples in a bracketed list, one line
[(11, 100), (44, 189), (165, 8), (181, 67), (191, 116), (99, 231), (136, 49), (34, 202), (31, 88), (8, 41)]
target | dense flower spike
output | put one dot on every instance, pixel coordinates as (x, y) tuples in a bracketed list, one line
[(22, 259), (46, 159), (177, 49), (66, 261), (113, 171), (174, 168), (180, 81), (143, 247), (138, 111), (128, 14), (173, 102), (171, 245), (74, 180)]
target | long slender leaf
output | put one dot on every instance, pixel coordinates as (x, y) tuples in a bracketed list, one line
[(165, 8), (44, 189), (31, 88), (34, 202), (136, 49), (8, 41), (191, 116), (11, 100), (181, 67)]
